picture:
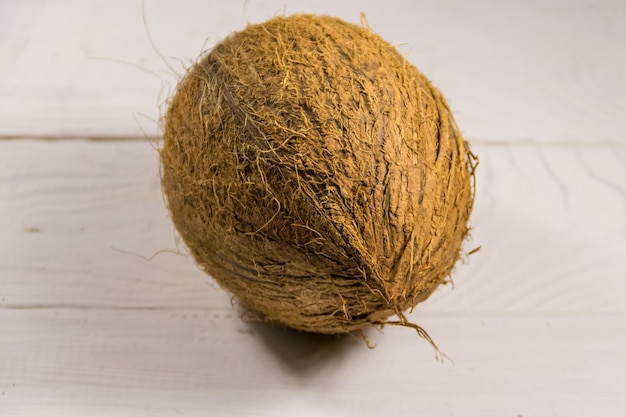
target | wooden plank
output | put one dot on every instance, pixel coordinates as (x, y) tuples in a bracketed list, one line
[(535, 324), (76, 362), (540, 71), (552, 227), (78, 220)]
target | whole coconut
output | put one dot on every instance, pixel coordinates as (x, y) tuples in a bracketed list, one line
[(316, 174)]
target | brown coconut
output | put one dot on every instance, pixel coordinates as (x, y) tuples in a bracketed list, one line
[(316, 174)]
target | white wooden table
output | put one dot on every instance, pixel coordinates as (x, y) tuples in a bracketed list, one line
[(100, 317)]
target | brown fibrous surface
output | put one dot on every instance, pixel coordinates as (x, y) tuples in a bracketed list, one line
[(316, 174)]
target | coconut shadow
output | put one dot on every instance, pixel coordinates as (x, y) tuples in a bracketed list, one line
[(303, 353)]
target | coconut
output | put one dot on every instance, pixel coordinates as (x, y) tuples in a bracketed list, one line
[(316, 174)]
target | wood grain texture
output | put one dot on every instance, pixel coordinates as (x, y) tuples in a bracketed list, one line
[(544, 71), (535, 324), (75, 362), (103, 313), (78, 219)]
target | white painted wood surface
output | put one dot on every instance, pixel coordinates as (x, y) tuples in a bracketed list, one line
[(512, 70), (92, 324), (535, 325)]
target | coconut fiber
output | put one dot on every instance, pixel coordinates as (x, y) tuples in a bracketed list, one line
[(316, 174)]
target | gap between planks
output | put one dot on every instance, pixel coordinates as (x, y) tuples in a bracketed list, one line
[(472, 141), (422, 314)]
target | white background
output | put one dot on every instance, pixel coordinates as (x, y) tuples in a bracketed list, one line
[(92, 324)]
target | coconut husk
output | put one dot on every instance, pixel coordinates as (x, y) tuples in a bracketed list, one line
[(316, 174)]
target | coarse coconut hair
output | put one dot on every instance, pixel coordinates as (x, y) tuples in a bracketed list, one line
[(316, 174)]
